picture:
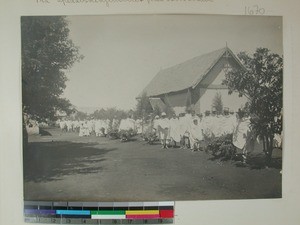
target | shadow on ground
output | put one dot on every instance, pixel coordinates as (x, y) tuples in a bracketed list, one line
[(44, 132), (254, 161), (49, 161), (258, 162)]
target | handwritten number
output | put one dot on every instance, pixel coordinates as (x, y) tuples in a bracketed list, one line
[(254, 10), (42, 1)]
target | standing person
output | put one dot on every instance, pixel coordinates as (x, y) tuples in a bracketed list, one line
[(175, 130), (98, 127), (242, 134), (156, 126), (164, 129), (182, 129), (81, 129), (196, 135), (86, 131), (186, 126), (63, 125), (115, 124), (139, 126)]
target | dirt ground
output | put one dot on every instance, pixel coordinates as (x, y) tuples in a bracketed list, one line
[(63, 166)]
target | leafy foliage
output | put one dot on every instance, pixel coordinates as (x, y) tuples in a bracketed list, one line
[(220, 146), (47, 52), (217, 103), (80, 115), (111, 113), (261, 83), (143, 107)]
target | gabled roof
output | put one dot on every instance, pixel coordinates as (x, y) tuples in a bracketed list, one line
[(184, 75)]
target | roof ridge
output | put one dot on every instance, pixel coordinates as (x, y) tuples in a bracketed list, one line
[(193, 58), (184, 75), (213, 63)]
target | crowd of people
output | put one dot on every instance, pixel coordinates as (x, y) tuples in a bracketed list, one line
[(187, 130)]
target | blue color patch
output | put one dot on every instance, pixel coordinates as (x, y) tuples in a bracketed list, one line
[(73, 212)]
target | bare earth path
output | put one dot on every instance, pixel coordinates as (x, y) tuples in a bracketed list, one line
[(71, 168)]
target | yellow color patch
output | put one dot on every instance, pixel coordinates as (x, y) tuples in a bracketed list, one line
[(142, 212)]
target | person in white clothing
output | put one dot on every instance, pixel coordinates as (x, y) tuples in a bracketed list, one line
[(164, 129), (242, 135), (175, 130), (196, 135), (186, 123)]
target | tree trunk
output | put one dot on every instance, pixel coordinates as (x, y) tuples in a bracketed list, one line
[(269, 150), (264, 144), (25, 134)]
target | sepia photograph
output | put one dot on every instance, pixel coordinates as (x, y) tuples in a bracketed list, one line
[(125, 108)]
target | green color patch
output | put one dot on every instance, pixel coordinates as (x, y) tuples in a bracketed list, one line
[(108, 212)]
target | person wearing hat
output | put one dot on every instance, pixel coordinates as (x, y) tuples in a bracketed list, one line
[(164, 129)]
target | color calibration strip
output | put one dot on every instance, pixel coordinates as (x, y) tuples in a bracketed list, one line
[(99, 212)]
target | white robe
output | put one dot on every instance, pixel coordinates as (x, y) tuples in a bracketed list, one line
[(139, 126), (175, 129), (163, 128), (196, 134), (185, 124), (98, 126), (242, 133), (127, 124)]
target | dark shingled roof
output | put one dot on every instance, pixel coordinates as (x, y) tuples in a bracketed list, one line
[(184, 75)]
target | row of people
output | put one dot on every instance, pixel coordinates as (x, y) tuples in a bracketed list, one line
[(189, 129)]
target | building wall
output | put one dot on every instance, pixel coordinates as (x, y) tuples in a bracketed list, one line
[(233, 101), (203, 94), (176, 99), (212, 84)]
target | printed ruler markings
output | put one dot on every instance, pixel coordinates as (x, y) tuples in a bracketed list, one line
[(99, 212)]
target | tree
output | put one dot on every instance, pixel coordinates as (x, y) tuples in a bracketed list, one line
[(111, 113), (47, 53), (80, 115), (143, 107), (261, 82), (217, 103)]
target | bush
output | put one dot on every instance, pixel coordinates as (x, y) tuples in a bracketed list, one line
[(220, 146)]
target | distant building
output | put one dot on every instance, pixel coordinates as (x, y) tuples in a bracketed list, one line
[(195, 83)]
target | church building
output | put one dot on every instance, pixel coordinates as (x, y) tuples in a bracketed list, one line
[(195, 83)]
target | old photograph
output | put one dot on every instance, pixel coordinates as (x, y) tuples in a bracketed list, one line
[(123, 108)]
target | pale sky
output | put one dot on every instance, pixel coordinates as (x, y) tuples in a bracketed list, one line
[(123, 53)]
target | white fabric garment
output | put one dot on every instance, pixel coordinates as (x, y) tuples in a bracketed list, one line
[(127, 124), (62, 125), (242, 133), (174, 130), (278, 141), (84, 130), (185, 124), (163, 128), (195, 134), (98, 126), (69, 125), (139, 126)]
